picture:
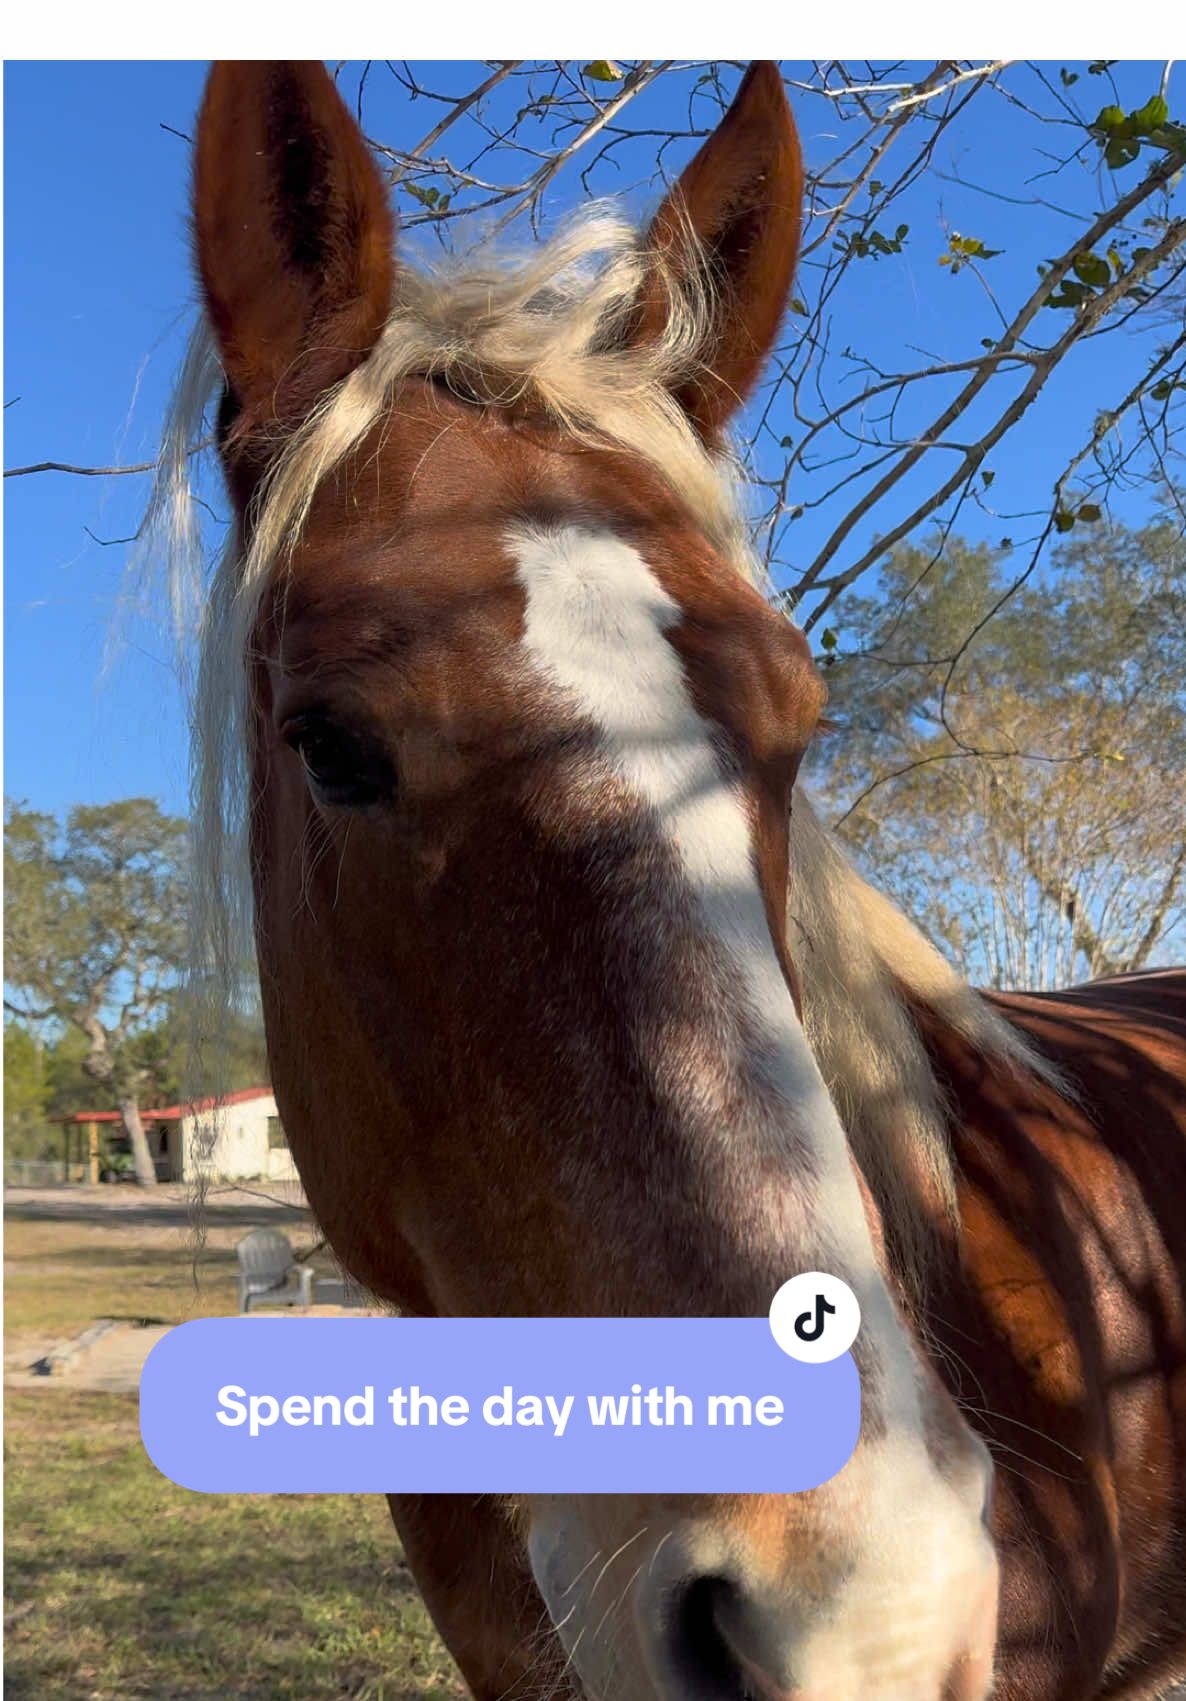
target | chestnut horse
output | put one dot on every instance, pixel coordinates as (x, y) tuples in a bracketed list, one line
[(573, 1008)]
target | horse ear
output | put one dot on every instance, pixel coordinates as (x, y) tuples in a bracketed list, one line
[(294, 236), (737, 207)]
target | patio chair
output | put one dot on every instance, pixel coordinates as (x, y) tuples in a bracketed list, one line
[(268, 1274)]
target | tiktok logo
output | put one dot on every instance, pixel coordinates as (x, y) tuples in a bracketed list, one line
[(815, 1317), (809, 1329)]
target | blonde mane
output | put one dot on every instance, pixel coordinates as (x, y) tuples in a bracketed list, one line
[(549, 328), (862, 963)]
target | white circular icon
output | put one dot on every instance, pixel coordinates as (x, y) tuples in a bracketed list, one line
[(815, 1317)]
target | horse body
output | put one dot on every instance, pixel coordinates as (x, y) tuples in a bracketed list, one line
[(535, 890), (1064, 1331)]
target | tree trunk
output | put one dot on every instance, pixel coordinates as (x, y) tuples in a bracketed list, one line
[(1152, 934), (100, 1066), (129, 1110)]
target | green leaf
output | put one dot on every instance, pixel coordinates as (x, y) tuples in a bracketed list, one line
[(1121, 151), (1068, 78), (786, 442), (1171, 137), (874, 244), (972, 248), (1152, 115), (798, 305), (1091, 269), (1071, 294), (828, 638), (428, 197), (1063, 521), (1089, 513), (602, 71), (1161, 392), (1110, 118), (988, 477), (1099, 67)]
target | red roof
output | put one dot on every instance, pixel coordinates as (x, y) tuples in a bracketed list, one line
[(172, 1112)]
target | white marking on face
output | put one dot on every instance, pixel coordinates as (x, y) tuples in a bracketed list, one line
[(596, 625)]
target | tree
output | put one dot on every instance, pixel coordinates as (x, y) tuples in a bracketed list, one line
[(1018, 791), (25, 1129), (176, 1065), (94, 920), (44, 1078), (68, 1087)]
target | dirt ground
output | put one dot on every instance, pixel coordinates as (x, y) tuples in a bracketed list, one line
[(76, 1254), (161, 1228)]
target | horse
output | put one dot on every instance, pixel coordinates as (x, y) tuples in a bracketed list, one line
[(572, 1005)]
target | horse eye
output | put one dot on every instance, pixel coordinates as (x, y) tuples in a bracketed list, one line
[(342, 767)]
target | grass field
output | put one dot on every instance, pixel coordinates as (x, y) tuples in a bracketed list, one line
[(118, 1583)]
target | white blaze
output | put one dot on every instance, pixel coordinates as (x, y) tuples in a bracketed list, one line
[(596, 626)]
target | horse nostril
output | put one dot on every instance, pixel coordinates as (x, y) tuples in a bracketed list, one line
[(718, 1648), (717, 1640), (701, 1657)]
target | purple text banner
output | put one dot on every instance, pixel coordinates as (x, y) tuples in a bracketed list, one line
[(493, 1406)]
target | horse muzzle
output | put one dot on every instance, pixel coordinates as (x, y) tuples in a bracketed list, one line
[(753, 1601)]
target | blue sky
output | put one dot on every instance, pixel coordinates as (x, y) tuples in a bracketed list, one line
[(97, 290), (99, 296)]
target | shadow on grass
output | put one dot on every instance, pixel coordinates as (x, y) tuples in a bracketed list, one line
[(169, 1213)]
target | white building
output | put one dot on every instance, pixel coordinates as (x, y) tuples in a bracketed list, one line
[(235, 1138)]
